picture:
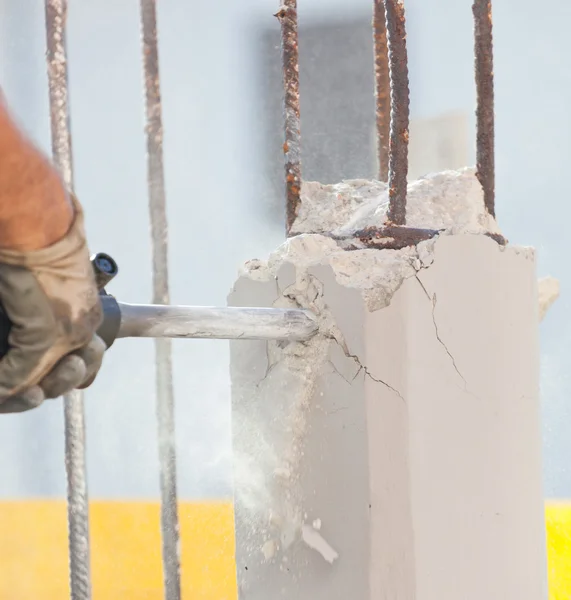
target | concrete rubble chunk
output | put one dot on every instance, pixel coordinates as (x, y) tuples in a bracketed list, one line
[(450, 200)]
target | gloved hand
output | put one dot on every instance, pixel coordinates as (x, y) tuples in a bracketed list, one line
[(51, 299)]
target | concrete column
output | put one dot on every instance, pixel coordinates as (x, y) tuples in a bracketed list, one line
[(397, 454)]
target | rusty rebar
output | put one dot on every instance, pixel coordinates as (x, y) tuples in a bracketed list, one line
[(159, 235), (484, 59), (392, 237), (74, 414), (382, 88), (287, 16), (398, 141)]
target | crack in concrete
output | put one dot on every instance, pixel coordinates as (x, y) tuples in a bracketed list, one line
[(340, 374), (362, 367), (331, 336), (337, 410), (444, 345), (422, 286), (266, 374), (368, 374), (432, 300)]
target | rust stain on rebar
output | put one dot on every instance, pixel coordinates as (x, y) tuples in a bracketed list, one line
[(382, 88), (392, 237), (483, 48), (159, 240), (287, 16), (398, 142)]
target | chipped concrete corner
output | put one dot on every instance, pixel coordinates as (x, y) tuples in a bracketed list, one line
[(359, 455)]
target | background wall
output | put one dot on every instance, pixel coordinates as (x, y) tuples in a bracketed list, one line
[(219, 62)]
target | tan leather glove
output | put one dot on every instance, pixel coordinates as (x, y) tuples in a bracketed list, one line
[(51, 299)]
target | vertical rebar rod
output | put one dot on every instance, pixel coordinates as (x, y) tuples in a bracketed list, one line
[(382, 88), (159, 233), (484, 59), (77, 497), (398, 141), (287, 16)]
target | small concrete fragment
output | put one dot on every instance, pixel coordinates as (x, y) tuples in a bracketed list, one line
[(315, 541), (548, 293)]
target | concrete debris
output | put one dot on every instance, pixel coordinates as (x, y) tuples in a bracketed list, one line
[(315, 541), (378, 274), (548, 292), (451, 200)]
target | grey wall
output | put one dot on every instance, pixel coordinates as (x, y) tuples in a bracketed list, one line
[(223, 197)]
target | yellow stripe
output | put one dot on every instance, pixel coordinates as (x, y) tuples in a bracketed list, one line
[(125, 551), (558, 522)]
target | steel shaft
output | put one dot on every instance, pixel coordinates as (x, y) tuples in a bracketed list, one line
[(230, 323)]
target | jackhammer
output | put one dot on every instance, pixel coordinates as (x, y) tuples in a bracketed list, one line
[(123, 320)]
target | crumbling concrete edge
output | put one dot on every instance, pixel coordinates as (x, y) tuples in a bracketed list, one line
[(306, 360)]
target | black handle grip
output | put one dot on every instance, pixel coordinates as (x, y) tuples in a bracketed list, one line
[(105, 269), (5, 327)]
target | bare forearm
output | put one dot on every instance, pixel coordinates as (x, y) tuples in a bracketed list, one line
[(35, 210)]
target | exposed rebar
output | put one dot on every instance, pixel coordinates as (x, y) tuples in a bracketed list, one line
[(382, 88), (483, 49), (164, 385), (398, 141), (77, 497), (287, 16), (391, 237)]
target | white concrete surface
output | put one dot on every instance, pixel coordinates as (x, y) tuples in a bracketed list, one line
[(397, 454)]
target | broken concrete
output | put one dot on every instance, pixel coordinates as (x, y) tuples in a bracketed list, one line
[(451, 200), (548, 293), (397, 453)]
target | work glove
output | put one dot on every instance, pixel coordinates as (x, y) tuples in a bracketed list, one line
[(52, 303)]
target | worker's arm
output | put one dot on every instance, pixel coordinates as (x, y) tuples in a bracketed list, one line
[(35, 210), (47, 286)]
